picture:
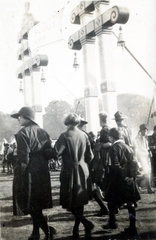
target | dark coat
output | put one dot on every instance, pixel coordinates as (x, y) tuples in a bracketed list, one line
[(74, 147), (121, 186), (99, 165), (31, 185)]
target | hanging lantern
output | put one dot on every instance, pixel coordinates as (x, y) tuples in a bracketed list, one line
[(21, 87), (42, 76), (120, 42), (75, 64)]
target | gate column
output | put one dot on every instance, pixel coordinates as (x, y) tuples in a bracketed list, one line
[(90, 79)]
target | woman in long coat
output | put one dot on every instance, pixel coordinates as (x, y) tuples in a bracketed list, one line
[(75, 190), (31, 185), (122, 187)]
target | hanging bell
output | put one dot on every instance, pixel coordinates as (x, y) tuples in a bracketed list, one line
[(75, 64), (120, 42), (21, 87), (42, 76)]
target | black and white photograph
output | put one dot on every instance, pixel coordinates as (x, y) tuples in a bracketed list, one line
[(77, 120)]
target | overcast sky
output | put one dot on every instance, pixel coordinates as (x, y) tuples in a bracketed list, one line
[(139, 33)]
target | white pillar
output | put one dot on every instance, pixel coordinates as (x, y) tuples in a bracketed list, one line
[(27, 90), (90, 78), (106, 68), (36, 97)]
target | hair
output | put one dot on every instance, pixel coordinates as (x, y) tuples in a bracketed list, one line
[(115, 133), (103, 116), (72, 119), (154, 128)]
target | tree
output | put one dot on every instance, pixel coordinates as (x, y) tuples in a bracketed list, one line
[(56, 111), (135, 107), (8, 127)]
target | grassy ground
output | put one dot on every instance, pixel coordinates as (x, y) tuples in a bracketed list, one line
[(19, 228)]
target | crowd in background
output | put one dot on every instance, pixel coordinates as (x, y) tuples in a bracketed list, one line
[(111, 168)]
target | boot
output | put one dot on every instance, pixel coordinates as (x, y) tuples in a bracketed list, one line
[(88, 227), (98, 199), (50, 233), (76, 229), (34, 237), (112, 220), (131, 230), (148, 186)]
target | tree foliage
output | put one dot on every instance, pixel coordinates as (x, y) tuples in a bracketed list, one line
[(53, 120), (135, 107), (8, 127)]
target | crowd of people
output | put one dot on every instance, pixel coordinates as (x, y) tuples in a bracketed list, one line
[(108, 168)]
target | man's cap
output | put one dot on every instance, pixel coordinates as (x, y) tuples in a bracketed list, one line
[(118, 116), (26, 112)]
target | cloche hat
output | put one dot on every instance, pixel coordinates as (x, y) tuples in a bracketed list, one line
[(25, 112)]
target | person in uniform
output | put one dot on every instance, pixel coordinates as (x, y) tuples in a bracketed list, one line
[(125, 131), (122, 187), (75, 190), (31, 184), (152, 147)]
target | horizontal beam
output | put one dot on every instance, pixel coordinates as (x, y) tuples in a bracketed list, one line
[(106, 20), (29, 65)]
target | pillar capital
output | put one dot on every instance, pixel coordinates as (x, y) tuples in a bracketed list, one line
[(83, 8), (23, 34), (35, 62), (99, 25)]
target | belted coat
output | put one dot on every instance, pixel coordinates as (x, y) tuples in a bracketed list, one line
[(122, 186), (74, 147), (31, 184)]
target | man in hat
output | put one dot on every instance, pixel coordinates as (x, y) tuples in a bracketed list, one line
[(81, 125), (31, 174), (124, 130), (152, 146), (143, 155)]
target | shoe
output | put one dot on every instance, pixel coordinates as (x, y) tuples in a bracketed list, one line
[(51, 232), (88, 227), (131, 231), (75, 233), (34, 237), (110, 225), (102, 213), (150, 191)]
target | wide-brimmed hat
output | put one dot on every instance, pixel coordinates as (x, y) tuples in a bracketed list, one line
[(143, 127), (82, 120), (26, 112), (118, 116)]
